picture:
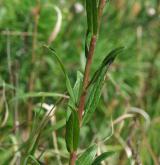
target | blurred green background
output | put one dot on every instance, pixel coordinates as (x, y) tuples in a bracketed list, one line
[(29, 76)]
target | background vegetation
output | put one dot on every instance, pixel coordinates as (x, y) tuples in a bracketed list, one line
[(30, 78)]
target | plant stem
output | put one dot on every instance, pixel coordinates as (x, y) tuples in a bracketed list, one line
[(89, 62), (100, 10), (73, 157), (87, 74)]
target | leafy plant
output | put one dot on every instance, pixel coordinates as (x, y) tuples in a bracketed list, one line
[(61, 114), (78, 102)]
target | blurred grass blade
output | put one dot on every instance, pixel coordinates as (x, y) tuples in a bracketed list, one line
[(88, 156), (39, 94), (58, 125), (96, 84), (142, 113), (34, 144), (102, 157), (68, 83), (111, 134), (30, 157), (125, 147), (72, 132)]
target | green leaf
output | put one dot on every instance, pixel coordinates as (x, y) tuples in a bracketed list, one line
[(77, 93), (78, 86), (68, 83), (96, 84), (34, 143), (108, 60), (92, 15), (102, 157), (72, 132), (89, 15), (95, 16), (88, 156)]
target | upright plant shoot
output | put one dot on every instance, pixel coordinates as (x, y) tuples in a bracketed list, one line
[(85, 95)]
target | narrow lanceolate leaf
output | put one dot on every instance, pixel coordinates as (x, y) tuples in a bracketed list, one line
[(68, 83), (77, 92), (102, 157), (92, 15), (108, 60), (96, 84), (89, 15), (93, 99), (95, 16), (88, 156), (78, 86), (72, 132)]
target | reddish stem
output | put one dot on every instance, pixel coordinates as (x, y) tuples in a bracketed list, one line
[(73, 157), (86, 76), (88, 64)]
